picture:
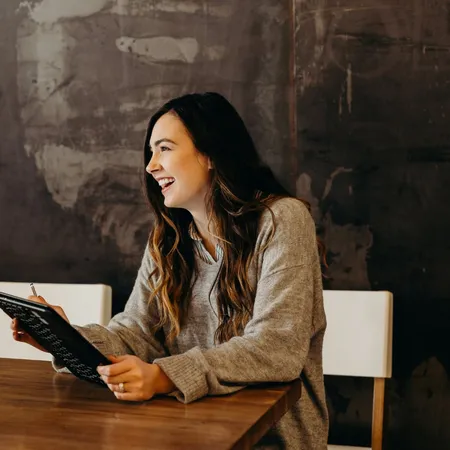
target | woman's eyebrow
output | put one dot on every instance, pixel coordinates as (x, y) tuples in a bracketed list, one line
[(159, 141)]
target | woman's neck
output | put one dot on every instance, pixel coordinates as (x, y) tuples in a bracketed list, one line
[(206, 231)]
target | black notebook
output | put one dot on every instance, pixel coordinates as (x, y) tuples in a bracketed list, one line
[(56, 335)]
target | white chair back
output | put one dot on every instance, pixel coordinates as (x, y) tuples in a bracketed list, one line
[(358, 339), (358, 342), (83, 304)]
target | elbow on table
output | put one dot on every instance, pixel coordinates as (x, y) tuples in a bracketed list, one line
[(284, 371)]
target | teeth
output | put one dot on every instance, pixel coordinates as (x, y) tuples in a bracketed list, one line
[(163, 182)]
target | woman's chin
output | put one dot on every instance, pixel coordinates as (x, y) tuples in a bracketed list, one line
[(169, 203)]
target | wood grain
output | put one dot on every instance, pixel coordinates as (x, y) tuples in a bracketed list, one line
[(40, 409)]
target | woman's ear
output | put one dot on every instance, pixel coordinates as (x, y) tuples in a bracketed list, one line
[(210, 164)]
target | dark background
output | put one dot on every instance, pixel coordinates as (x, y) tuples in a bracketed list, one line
[(348, 102)]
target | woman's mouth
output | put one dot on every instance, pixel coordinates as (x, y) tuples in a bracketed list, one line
[(166, 188), (165, 184)]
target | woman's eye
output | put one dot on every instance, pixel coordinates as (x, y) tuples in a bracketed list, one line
[(163, 148)]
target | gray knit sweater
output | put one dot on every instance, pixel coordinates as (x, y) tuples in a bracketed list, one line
[(281, 342)]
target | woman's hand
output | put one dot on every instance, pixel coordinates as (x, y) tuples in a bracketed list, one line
[(132, 379), (22, 336)]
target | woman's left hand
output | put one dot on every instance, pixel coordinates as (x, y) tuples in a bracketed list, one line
[(132, 379)]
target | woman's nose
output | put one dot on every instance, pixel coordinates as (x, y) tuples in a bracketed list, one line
[(153, 164)]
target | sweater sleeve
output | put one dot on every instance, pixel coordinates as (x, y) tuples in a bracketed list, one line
[(129, 332), (275, 344)]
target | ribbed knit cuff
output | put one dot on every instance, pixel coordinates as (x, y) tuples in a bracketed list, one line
[(185, 374), (59, 366)]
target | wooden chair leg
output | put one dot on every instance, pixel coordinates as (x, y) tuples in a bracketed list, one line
[(378, 413)]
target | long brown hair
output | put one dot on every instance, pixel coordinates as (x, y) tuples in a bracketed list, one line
[(241, 188)]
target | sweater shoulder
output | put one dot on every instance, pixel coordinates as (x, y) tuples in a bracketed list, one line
[(287, 230), (287, 214)]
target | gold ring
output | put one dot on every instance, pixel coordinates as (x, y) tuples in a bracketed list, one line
[(121, 388)]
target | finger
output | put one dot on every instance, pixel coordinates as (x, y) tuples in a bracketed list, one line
[(37, 299), (15, 326), (17, 336), (122, 378), (22, 337), (114, 369), (131, 396), (40, 299), (112, 387), (127, 386), (119, 358), (114, 359)]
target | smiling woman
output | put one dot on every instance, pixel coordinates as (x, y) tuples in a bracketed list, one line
[(229, 292), (180, 169)]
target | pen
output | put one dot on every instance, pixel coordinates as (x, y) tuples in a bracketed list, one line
[(33, 289)]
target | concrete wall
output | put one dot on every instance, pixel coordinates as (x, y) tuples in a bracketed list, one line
[(348, 102)]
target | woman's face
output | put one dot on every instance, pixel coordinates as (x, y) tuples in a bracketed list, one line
[(180, 169)]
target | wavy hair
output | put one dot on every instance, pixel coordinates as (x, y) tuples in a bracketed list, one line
[(241, 188)]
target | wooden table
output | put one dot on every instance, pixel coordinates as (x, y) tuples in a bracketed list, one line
[(42, 410)]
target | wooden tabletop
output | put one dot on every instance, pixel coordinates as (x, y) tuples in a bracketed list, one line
[(41, 410)]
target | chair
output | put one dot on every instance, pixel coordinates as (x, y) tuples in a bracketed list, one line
[(358, 343), (83, 304)]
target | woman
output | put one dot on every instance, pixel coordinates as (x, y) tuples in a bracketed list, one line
[(229, 291)]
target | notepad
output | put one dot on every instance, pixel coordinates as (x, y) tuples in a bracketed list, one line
[(56, 335)]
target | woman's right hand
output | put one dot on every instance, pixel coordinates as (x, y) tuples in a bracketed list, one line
[(22, 336)]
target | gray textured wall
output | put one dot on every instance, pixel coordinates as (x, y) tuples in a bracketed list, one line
[(348, 102)]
